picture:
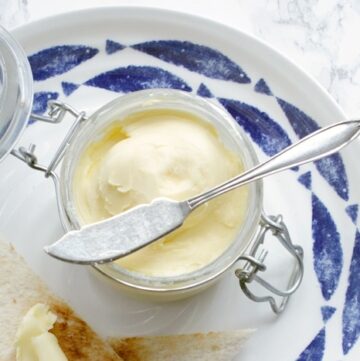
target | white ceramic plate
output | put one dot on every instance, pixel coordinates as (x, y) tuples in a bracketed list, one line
[(88, 58)]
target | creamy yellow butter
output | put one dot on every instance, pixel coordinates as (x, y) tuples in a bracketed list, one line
[(165, 153), (34, 342)]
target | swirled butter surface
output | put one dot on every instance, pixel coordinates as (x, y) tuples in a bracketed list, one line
[(165, 153), (34, 342)]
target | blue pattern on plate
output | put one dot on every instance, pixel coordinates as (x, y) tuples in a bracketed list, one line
[(132, 78), (204, 91), (327, 312), (69, 88), (262, 87), (332, 167), (315, 350), (198, 58), (40, 102), (263, 130), (59, 59), (352, 211), (351, 312), (327, 251), (305, 180), (112, 47)]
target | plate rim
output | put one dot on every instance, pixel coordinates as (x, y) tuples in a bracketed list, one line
[(25, 29)]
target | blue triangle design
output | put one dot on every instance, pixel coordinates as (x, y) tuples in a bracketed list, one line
[(305, 180), (204, 91), (69, 88), (262, 87), (352, 212), (315, 350), (327, 312), (112, 47)]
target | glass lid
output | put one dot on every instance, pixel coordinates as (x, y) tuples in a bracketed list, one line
[(16, 92)]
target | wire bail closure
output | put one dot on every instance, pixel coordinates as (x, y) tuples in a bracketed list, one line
[(56, 114), (255, 264)]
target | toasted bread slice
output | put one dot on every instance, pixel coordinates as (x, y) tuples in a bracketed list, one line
[(214, 346), (20, 289)]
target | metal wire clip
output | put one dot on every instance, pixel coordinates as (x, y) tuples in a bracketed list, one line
[(255, 264), (56, 113)]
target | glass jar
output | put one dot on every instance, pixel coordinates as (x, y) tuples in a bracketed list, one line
[(230, 134), (16, 92), (15, 105)]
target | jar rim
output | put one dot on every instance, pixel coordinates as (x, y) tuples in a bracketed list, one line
[(226, 126), (16, 92)]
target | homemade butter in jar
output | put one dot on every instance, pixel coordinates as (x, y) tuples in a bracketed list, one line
[(140, 146), (162, 153), (173, 144)]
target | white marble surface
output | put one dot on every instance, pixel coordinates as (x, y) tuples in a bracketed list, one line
[(319, 35)]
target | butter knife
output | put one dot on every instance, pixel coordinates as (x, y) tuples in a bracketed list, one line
[(128, 232)]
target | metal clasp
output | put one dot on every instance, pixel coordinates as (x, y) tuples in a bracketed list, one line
[(254, 263), (56, 114)]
